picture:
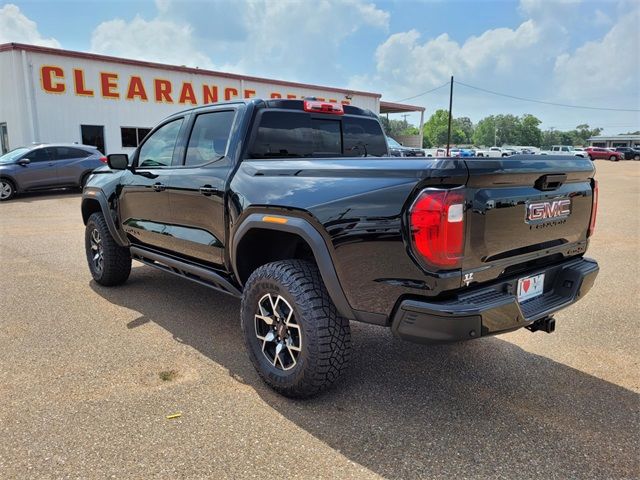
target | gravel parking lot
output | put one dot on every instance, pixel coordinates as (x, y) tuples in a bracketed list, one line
[(89, 374)]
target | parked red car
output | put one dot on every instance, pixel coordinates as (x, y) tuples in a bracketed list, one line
[(600, 153)]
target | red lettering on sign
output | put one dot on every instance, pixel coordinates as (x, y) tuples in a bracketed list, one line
[(163, 90), (136, 89), (209, 94), (249, 93), (78, 83), (230, 92), (47, 74), (187, 94), (108, 84), (275, 95)]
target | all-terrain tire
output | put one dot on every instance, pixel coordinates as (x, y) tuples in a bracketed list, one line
[(324, 336), (115, 267)]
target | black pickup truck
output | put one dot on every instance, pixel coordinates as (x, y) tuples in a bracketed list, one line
[(295, 207)]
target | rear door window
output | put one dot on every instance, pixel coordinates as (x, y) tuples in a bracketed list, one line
[(65, 153), (209, 137)]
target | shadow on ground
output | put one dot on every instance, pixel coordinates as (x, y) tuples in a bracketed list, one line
[(35, 196), (479, 409)]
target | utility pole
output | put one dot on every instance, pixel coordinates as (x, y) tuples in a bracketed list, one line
[(404, 117), (450, 106)]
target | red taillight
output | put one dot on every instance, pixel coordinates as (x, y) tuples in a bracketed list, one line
[(594, 209), (103, 159), (323, 107), (437, 227)]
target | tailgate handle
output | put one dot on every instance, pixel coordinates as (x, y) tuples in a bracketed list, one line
[(550, 182)]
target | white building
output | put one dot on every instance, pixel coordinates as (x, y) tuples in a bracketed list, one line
[(52, 95)]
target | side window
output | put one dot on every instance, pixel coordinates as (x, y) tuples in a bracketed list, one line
[(565, 149), (209, 137), (157, 151), (64, 153), (38, 155)]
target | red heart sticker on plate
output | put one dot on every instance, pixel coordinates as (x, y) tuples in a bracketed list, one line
[(525, 285)]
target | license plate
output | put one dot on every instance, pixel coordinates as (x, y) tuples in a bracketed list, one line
[(530, 287)]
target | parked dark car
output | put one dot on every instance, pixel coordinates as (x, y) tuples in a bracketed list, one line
[(629, 153), (266, 200), (398, 150), (599, 153), (45, 166)]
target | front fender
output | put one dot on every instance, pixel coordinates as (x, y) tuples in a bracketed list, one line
[(93, 200)]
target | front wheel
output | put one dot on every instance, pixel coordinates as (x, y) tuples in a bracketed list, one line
[(7, 189), (613, 158), (109, 263), (295, 338)]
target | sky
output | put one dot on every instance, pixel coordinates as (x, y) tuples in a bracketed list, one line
[(578, 52)]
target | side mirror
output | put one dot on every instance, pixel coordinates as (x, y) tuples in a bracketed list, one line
[(24, 161), (118, 161)]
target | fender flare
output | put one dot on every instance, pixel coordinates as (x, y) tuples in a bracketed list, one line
[(92, 195), (309, 234)]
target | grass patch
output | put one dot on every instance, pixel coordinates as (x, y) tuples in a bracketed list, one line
[(168, 375)]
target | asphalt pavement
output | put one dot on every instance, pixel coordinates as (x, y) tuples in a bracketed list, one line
[(88, 376)]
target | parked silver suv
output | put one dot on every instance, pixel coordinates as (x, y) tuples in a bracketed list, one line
[(45, 166)]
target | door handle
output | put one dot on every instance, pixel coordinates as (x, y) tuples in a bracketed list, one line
[(208, 190), (158, 187)]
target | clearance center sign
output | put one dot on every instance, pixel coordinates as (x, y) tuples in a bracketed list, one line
[(198, 89)]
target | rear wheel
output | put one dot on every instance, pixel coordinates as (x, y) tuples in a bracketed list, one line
[(295, 338), (7, 189), (109, 263), (636, 157), (591, 158)]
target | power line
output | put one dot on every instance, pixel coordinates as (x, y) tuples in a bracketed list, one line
[(421, 94), (544, 102)]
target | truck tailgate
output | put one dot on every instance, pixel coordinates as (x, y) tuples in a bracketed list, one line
[(524, 211)]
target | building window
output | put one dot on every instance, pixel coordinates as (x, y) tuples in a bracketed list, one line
[(132, 136), (93, 135), (4, 139)]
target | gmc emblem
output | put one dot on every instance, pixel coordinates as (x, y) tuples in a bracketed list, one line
[(553, 209)]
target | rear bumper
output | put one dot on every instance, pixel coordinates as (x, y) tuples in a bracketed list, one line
[(493, 309)]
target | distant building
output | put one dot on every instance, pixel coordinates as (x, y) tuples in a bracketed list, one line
[(52, 95), (615, 141)]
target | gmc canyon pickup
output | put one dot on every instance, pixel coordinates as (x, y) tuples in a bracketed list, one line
[(295, 207)]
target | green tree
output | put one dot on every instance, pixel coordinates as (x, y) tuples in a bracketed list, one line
[(530, 134), (436, 129), (485, 131), (466, 125)]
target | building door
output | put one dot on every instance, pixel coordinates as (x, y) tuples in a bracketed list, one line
[(4, 139), (93, 135)]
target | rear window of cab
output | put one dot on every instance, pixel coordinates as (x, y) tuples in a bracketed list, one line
[(291, 134)]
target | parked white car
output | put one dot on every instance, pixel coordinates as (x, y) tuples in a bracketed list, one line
[(495, 152), (565, 150)]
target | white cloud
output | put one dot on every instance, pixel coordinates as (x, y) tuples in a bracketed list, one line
[(601, 19), (155, 40), (599, 69), (406, 65), (15, 27)]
